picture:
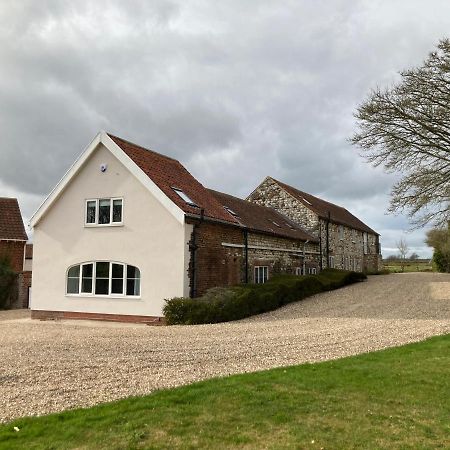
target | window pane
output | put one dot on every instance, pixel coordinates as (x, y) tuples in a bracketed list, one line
[(117, 270), (102, 286), (117, 210), (102, 270), (86, 281), (133, 272), (86, 285), (117, 279), (87, 270), (74, 271), (104, 210), (73, 285), (90, 211), (117, 286), (133, 287)]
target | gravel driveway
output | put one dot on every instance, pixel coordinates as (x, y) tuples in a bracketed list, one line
[(52, 366)]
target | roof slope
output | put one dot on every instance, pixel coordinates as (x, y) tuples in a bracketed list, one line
[(11, 223), (262, 218), (322, 208), (168, 173)]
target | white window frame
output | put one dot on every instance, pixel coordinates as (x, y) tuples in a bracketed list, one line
[(299, 271), (97, 200), (94, 277), (265, 276), (331, 262), (312, 271)]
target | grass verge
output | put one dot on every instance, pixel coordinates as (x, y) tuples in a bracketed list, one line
[(395, 398)]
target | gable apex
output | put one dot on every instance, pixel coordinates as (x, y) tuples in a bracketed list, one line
[(103, 138)]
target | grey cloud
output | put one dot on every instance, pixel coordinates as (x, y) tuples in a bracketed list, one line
[(235, 90)]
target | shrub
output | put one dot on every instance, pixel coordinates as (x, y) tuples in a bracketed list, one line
[(238, 302)]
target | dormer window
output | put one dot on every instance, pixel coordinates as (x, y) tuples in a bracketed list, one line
[(104, 211), (185, 197)]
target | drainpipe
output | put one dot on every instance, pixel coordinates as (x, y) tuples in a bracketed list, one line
[(193, 249), (328, 239), (320, 246), (246, 255), (304, 256)]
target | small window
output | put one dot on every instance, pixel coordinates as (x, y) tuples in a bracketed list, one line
[(341, 232), (299, 271), (104, 211), (365, 244), (261, 274), (104, 278), (331, 262), (185, 197), (312, 271), (231, 211)]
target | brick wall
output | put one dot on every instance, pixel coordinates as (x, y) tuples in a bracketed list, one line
[(221, 265), (216, 265), (14, 252)]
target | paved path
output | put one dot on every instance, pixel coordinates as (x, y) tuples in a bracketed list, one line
[(51, 366)]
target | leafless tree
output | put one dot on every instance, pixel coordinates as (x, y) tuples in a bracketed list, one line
[(406, 129), (403, 251)]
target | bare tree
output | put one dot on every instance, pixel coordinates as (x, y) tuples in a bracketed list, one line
[(403, 250), (406, 129)]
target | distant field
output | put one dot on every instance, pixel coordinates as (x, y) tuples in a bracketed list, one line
[(420, 265)]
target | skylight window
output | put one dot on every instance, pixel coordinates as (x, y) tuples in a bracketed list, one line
[(304, 199), (184, 196), (231, 211), (277, 225)]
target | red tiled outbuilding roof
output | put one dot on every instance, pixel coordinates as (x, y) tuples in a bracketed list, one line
[(11, 223), (338, 214), (169, 174), (261, 218)]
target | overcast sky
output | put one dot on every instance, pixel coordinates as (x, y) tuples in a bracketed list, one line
[(235, 90)]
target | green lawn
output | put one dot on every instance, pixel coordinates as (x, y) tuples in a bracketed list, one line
[(396, 398)]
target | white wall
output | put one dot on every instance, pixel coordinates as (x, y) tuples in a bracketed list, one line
[(150, 239)]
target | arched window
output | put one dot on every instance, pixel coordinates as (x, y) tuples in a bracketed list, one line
[(104, 278)]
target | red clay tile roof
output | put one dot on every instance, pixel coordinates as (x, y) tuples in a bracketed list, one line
[(321, 207), (261, 218), (167, 174), (11, 223)]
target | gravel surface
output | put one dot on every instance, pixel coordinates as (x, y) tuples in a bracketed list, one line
[(52, 366)]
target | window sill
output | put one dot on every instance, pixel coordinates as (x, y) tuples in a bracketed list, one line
[(114, 296), (94, 225)]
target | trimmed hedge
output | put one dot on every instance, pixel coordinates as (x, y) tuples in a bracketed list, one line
[(238, 302)]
